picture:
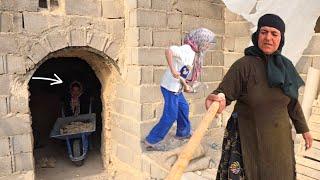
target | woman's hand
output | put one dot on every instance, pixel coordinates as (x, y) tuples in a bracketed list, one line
[(175, 74), (219, 98), (308, 140)]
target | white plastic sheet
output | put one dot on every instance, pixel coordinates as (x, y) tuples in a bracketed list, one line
[(300, 17)]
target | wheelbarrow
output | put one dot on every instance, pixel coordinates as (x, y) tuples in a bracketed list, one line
[(77, 143)]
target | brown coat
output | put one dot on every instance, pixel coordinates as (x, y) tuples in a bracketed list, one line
[(264, 125)]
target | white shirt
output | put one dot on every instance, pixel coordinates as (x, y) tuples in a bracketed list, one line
[(182, 56)]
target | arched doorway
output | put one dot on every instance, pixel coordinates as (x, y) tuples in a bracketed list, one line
[(45, 102)]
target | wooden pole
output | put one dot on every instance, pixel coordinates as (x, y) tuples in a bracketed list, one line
[(186, 154)]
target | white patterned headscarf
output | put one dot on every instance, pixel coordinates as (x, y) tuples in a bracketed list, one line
[(198, 39)]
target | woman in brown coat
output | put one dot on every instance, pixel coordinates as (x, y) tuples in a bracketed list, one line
[(258, 142)]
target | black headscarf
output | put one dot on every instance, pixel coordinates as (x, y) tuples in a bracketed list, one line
[(280, 70)]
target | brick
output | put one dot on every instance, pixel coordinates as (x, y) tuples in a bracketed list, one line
[(313, 47), (210, 74), (209, 10), (148, 56), (147, 75), (146, 18), (241, 43), (238, 29), (5, 81), (20, 5), (166, 38), (303, 64), (8, 43), (112, 9), (4, 146), (35, 22), (22, 143), (83, 7), (78, 37), (57, 40), (24, 162), (230, 58), (174, 20), (17, 124), (5, 166), (3, 64), (4, 105), (16, 64)]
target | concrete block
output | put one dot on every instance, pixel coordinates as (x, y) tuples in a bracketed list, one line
[(174, 20), (83, 7), (230, 58), (116, 28), (38, 52), (187, 7), (113, 50), (166, 38), (157, 74), (126, 139), (148, 56), (157, 172), (139, 37), (19, 104), (4, 105), (209, 10), (22, 143), (146, 165), (144, 4), (57, 40), (4, 146), (5, 81), (5, 166), (6, 20), (3, 64), (98, 41), (112, 9), (197, 107), (127, 91), (217, 58), (316, 62), (237, 29), (148, 111), (35, 22), (24, 162), (146, 18), (19, 5), (150, 93), (128, 108), (58, 20), (229, 44), (147, 75), (8, 43), (241, 43), (78, 37), (191, 22), (126, 123), (125, 154), (16, 64), (18, 124), (230, 16), (19, 176), (134, 75), (161, 5), (313, 47), (303, 64), (210, 74)]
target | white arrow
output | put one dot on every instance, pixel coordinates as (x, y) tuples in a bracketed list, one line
[(55, 81)]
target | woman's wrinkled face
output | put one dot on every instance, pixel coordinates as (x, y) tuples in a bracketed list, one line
[(269, 39), (75, 91)]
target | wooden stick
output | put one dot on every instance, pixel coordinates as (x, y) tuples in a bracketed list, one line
[(186, 154)]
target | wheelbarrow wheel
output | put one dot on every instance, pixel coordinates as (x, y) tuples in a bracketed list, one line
[(77, 148)]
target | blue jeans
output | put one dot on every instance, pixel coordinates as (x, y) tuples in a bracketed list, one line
[(175, 108)]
